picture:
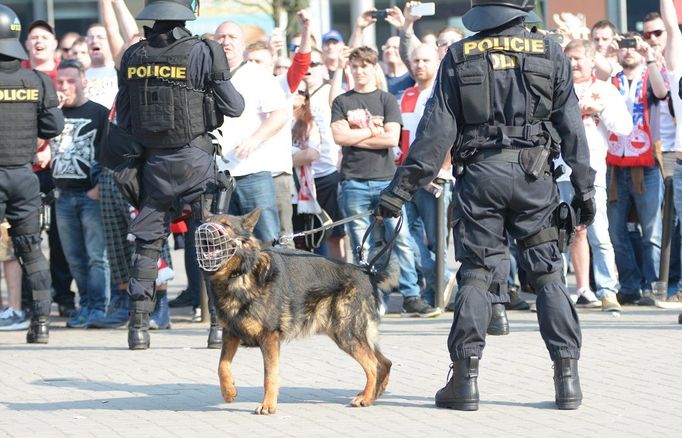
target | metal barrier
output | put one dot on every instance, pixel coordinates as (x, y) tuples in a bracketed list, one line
[(440, 251), (668, 227)]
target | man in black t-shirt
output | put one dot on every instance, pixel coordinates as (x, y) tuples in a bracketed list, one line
[(75, 172), (366, 124)]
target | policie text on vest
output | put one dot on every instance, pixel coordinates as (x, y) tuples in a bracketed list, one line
[(504, 43), (19, 94), (157, 71)]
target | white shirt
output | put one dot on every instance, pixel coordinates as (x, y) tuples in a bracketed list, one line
[(102, 85), (615, 118), (322, 115), (262, 95), (666, 122), (677, 106)]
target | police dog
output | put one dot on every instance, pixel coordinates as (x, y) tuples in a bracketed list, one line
[(266, 296)]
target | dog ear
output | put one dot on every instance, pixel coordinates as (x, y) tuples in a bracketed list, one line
[(250, 220)]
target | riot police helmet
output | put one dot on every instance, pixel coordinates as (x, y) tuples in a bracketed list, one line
[(489, 14), (167, 10), (10, 28)]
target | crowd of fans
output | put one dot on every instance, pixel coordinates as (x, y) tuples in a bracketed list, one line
[(324, 127)]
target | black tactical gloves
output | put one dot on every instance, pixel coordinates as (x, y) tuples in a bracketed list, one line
[(584, 210), (390, 202)]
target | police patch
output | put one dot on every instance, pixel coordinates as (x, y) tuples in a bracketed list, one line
[(157, 71), (19, 95), (15, 26), (504, 43)]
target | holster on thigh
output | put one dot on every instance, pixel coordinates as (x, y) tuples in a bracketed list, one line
[(34, 264)]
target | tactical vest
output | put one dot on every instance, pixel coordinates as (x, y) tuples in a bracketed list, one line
[(21, 94), (166, 110), (476, 59)]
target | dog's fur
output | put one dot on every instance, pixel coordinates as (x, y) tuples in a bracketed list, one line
[(266, 296)]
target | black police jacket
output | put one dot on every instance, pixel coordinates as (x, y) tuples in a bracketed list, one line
[(443, 121), (28, 111), (161, 83)]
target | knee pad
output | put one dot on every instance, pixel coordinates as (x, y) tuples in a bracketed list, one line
[(29, 254), (538, 281), (149, 249), (28, 226), (477, 277)]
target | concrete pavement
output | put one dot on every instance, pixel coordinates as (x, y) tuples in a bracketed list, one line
[(87, 383)]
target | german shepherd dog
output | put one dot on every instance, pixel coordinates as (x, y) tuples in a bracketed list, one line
[(266, 296)]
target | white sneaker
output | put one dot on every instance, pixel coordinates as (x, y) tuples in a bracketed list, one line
[(13, 320), (196, 316), (587, 299)]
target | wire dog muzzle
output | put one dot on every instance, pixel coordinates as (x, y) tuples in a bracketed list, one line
[(214, 248)]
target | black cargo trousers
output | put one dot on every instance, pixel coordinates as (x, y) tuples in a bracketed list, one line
[(493, 196), (171, 179), (20, 204)]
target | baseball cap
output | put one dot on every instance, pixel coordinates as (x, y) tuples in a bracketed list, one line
[(41, 23), (333, 34)]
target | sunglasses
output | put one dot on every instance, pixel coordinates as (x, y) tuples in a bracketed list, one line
[(315, 64), (657, 33), (293, 47), (303, 93)]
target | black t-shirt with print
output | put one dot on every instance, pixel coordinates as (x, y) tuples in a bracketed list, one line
[(358, 109), (75, 150)]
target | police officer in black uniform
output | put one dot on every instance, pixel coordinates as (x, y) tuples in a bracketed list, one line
[(29, 110), (173, 89), (504, 97)]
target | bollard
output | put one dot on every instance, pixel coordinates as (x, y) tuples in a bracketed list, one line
[(668, 226), (440, 250), (203, 298)]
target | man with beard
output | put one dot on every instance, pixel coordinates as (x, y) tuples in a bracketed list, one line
[(633, 176)]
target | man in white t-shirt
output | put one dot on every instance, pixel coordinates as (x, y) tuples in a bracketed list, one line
[(603, 111), (249, 145), (102, 76), (280, 144)]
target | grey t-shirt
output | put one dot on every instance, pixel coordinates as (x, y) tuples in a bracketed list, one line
[(358, 109)]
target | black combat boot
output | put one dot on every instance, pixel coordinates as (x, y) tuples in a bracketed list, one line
[(39, 329), (215, 332), (567, 384), (138, 324), (499, 325), (461, 391)]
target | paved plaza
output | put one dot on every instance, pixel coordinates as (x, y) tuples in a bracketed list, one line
[(87, 383)]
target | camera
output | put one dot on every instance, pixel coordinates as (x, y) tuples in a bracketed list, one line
[(381, 14), (627, 43)]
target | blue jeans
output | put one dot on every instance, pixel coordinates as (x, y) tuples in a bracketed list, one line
[(257, 190), (421, 220), (634, 277), (81, 232), (677, 197), (357, 196)]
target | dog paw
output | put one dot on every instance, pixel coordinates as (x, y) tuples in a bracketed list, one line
[(229, 393), (361, 401), (266, 409)]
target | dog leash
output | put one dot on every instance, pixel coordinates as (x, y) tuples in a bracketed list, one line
[(370, 266), (290, 237)]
